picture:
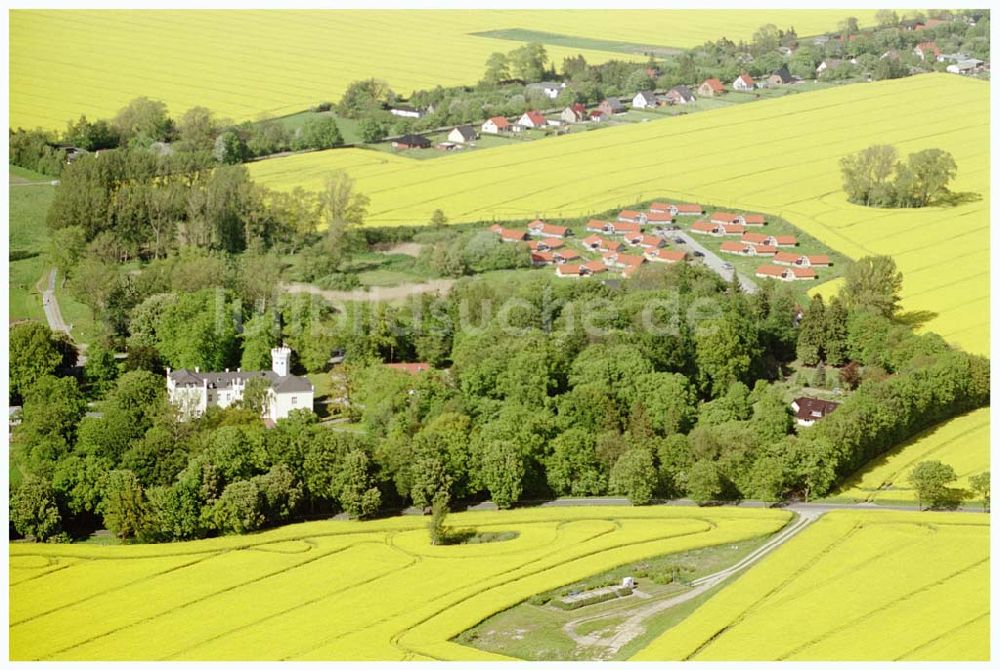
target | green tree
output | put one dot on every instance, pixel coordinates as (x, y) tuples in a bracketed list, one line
[(260, 335), (143, 121), (90, 136), (932, 170), (230, 148), (704, 484), (873, 282), (33, 509), (930, 480), (528, 61), (866, 176), (635, 475), (342, 209), (812, 327), (767, 480), (835, 332), (196, 130), (255, 394), (886, 18), (430, 477), (100, 370), (240, 508), (726, 351), (439, 513), (66, 247), (361, 98), (320, 132), (502, 473), (33, 355), (358, 495), (497, 68), (122, 504), (438, 219), (573, 468), (372, 130), (980, 484)]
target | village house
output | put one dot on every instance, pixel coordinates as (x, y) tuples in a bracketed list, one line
[(531, 119), (644, 241), (411, 142), (611, 106), (546, 244), (829, 64), (711, 88), (408, 112), (644, 99), (787, 258), (780, 77), (810, 410), (925, 49), (968, 66), (744, 83), (194, 392), (592, 242), (598, 226), (748, 249), (581, 269), (565, 255), (574, 113), (665, 255), (462, 134), (928, 24), (624, 228), (773, 240), (495, 125), (726, 217), (509, 235), (632, 216), (598, 115), (680, 95), (542, 258), (658, 217), (539, 227), (785, 274), (551, 89), (676, 209)]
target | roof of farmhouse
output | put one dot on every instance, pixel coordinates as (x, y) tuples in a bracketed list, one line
[(214, 380)]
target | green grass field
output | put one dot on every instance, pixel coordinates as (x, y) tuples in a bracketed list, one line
[(332, 589), (859, 586)]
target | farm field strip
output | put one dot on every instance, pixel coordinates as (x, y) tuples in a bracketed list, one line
[(874, 585), (962, 442), (242, 64), (306, 591), (768, 156)]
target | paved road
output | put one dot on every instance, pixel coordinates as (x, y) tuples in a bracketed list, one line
[(54, 316), (712, 261)]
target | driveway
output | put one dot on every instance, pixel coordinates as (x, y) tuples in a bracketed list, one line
[(712, 261), (54, 316)]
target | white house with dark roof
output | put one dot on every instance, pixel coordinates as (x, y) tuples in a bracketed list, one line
[(194, 392)]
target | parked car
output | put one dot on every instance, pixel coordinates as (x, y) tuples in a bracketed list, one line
[(698, 254), (727, 266), (679, 240)]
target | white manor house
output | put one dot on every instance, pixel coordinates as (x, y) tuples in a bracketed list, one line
[(194, 392)]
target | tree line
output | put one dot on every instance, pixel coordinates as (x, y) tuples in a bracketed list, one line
[(524, 402), (875, 177)]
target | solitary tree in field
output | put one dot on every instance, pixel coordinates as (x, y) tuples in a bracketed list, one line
[(866, 175), (873, 282), (981, 484), (929, 480)]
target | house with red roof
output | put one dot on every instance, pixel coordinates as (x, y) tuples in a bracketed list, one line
[(785, 274), (710, 88), (598, 226), (772, 240), (532, 119), (659, 217), (592, 268), (542, 258), (665, 255), (409, 368), (546, 244), (568, 270), (565, 255), (732, 229), (575, 113), (644, 241), (707, 228), (661, 207), (753, 219), (632, 216), (925, 49), (593, 242), (687, 210), (726, 217), (539, 227), (786, 258), (597, 116), (743, 83), (747, 249), (624, 228), (509, 235), (495, 125)]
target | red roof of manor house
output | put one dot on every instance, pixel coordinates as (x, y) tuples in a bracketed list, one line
[(411, 368)]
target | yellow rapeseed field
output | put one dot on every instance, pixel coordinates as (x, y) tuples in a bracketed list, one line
[(860, 586), (243, 64), (963, 443), (778, 156), (332, 589)]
